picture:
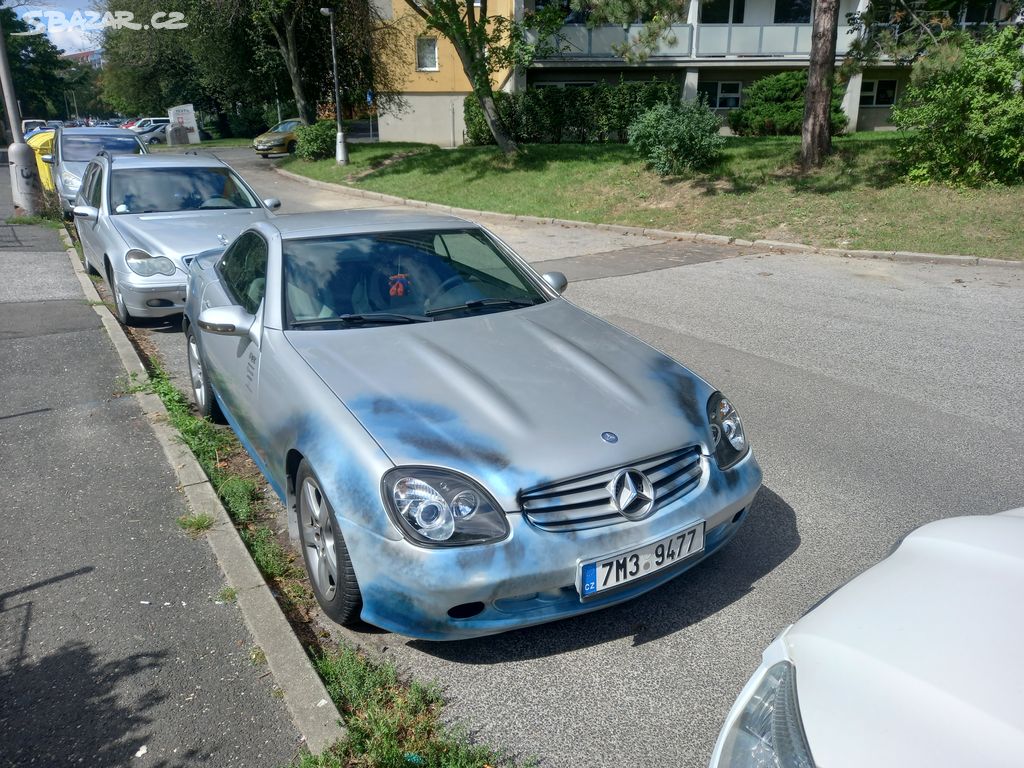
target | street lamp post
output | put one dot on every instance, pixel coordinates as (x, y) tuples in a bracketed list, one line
[(24, 178), (340, 148)]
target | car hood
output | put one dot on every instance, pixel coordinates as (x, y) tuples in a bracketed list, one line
[(514, 398), (184, 233), (78, 169), (272, 138), (917, 661)]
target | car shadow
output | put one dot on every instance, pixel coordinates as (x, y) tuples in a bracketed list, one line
[(64, 707), (767, 539)]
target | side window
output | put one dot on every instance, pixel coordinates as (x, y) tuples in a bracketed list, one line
[(243, 270), (93, 185)]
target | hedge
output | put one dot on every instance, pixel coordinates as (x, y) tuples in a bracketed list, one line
[(595, 113)]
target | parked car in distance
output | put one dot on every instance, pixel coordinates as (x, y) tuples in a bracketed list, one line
[(462, 450), (73, 148), (31, 125), (279, 139), (141, 219), (914, 662), (148, 122)]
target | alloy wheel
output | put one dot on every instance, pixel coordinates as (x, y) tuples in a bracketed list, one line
[(318, 538)]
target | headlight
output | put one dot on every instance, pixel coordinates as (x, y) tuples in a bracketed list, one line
[(727, 435), (437, 508), (70, 181), (142, 263), (768, 732)]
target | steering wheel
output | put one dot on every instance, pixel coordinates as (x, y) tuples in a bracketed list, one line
[(217, 202), (443, 288)]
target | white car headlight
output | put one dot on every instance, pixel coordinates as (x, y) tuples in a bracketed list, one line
[(70, 181), (437, 508), (768, 732), (142, 263)]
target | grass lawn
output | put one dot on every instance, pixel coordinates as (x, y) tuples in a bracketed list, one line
[(857, 201)]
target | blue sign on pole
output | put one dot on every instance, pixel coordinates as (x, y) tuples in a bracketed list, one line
[(369, 98)]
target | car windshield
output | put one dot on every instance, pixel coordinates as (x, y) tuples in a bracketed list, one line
[(153, 190), (82, 149), (398, 277), (285, 127)]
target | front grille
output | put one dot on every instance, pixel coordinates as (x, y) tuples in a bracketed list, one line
[(583, 502)]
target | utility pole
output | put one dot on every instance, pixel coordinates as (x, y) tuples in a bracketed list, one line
[(24, 178), (340, 149)]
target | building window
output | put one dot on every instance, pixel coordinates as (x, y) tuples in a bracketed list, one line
[(724, 95), (426, 54), (792, 11), (722, 12), (877, 93)]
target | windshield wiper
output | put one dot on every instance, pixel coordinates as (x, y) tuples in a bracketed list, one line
[(372, 318), (482, 304)]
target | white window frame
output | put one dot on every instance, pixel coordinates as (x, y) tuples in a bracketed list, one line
[(436, 66), (718, 95), (874, 92)]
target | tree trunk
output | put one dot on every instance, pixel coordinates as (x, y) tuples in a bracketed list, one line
[(289, 52), (496, 124), (816, 135)]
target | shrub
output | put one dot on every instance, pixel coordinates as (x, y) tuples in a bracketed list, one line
[(316, 141), (674, 138), (964, 110), (593, 113), (774, 106)]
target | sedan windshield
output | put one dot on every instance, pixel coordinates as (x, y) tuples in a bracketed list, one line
[(390, 278), (285, 127), (162, 190), (82, 149)]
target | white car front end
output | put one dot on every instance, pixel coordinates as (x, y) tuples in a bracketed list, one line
[(916, 662)]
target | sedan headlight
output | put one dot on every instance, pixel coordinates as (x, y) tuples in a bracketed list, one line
[(729, 439), (70, 181), (768, 732), (437, 508), (142, 263)]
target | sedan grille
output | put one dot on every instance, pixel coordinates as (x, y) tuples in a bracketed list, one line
[(583, 502)]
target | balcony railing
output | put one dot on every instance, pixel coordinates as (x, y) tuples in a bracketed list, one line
[(683, 41)]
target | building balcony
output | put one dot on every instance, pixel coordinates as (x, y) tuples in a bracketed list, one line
[(699, 41)]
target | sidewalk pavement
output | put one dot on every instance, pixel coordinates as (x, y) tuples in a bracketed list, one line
[(113, 647)]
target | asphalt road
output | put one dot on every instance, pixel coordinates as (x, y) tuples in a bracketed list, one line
[(878, 396)]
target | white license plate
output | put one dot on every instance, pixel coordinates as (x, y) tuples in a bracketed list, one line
[(600, 575)]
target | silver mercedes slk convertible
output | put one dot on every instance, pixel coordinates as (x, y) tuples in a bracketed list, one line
[(462, 451)]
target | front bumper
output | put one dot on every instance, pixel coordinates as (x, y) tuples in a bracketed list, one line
[(149, 300), (530, 578), (269, 149)]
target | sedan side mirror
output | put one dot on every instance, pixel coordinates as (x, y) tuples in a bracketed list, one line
[(85, 212), (272, 203), (48, 159), (556, 280), (226, 321)]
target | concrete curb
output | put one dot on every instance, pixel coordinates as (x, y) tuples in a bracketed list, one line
[(311, 708), (774, 246)]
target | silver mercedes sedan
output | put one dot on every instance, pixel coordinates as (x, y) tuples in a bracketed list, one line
[(142, 218), (462, 450)]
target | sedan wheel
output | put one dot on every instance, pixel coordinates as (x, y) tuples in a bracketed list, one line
[(202, 392), (324, 551), (120, 308)]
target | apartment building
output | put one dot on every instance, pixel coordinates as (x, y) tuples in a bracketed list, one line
[(723, 47)]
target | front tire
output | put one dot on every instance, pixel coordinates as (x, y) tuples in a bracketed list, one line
[(120, 308), (202, 392), (324, 551), (291, 147), (264, 156)]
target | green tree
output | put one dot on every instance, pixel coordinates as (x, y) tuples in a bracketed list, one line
[(488, 44), (36, 67)]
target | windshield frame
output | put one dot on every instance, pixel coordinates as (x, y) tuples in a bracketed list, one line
[(191, 211), (519, 267)]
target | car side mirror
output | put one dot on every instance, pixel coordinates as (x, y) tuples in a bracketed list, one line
[(85, 212), (226, 321), (556, 280), (272, 203), (48, 159)]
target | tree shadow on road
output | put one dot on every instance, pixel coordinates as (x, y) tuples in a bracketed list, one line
[(767, 539), (65, 707)]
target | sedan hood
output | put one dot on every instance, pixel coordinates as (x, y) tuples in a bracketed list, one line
[(78, 169), (918, 660), (513, 398), (184, 233)]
